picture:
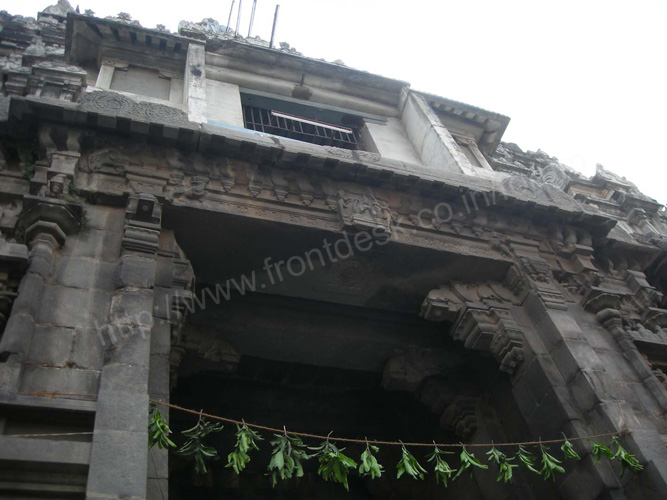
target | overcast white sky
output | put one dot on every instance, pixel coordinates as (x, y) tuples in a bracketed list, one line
[(584, 80)]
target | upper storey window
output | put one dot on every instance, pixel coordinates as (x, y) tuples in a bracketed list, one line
[(324, 127)]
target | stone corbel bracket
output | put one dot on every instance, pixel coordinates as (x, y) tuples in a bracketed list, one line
[(481, 319), (493, 330)]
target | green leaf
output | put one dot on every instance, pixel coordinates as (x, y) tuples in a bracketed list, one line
[(550, 464), (628, 461), (504, 464), (334, 465), (568, 450), (527, 459), (408, 464), (194, 446), (288, 452), (468, 461), (443, 472), (158, 430), (600, 450), (369, 465), (246, 440)]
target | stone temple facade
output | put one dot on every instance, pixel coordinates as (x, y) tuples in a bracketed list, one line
[(202, 219)]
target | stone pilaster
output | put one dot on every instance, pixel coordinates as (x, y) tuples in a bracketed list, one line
[(45, 224), (119, 457)]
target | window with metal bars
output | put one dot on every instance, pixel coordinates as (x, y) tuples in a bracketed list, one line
[(299, 128)]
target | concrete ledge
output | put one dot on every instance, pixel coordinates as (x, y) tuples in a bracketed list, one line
[(44, 451)]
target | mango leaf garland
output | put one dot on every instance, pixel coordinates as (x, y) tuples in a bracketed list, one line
[(286, 458), (600, 450), (527, 459), (628, 461), (334, 465), (504, 464), (550, 464), (408, 464), (194, 446), (369, 465), (468, 461), (443, 472), (158, 430), (246, 440), (568, 450)]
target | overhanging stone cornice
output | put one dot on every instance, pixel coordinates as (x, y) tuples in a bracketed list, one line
[(109, 33), (167, 125)]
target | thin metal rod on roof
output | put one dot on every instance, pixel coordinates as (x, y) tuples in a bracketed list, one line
[(252, 17), (238, 18), (273, 31), (229, 19)]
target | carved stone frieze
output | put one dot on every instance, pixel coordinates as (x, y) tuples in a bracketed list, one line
[(119, 105), (533, 274), (363, 211), (195, 191)]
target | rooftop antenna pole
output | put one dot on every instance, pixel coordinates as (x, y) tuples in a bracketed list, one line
[(238, 17), (252, 17), (229, 19), (273, 31)]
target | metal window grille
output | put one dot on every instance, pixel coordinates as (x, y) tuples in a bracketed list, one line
[(300, 129)]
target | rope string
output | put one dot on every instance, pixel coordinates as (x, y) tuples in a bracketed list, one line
[(52, 394), (378, 442)]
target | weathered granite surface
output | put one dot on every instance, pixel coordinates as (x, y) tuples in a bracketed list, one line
[(548, 287)]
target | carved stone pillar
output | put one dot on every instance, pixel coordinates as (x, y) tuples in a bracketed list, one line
[(45, 224), (119, 456)]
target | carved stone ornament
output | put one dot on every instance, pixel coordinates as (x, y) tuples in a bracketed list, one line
[(554, 175), (522, 187), (117, 104), (142, 224), (461, 417), (363, 211), (494, 331), (482, 319)]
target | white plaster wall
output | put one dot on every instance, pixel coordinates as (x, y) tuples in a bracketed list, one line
[(141, 81), (435, 144), (391, 141), (223, 103), (194, 83), (426, 141)]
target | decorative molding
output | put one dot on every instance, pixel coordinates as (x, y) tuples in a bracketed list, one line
[(482, 320), (494, 331), (363, 212), (119, 105), (533, 274), (142, 224)]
